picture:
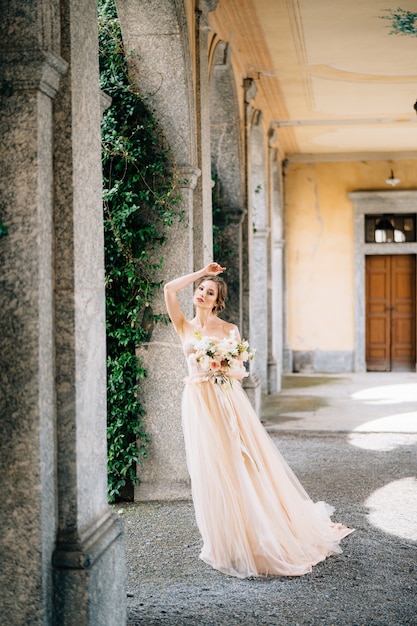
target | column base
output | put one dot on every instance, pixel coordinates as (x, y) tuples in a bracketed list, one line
[(252, 386), (89, 576)]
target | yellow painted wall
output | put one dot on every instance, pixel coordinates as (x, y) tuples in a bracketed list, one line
[(320, 246)]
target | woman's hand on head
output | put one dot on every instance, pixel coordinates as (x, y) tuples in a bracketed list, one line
[(213, 269)]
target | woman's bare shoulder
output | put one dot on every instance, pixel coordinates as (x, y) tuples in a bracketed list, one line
[(227, 327)]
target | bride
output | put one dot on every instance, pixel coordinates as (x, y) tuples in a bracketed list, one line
[(253, 514)]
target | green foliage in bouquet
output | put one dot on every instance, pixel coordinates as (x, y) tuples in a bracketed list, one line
[(140, 203)]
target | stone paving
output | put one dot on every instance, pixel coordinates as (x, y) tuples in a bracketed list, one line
[(352, 441)]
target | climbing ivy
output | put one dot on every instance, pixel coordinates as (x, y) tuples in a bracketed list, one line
[(3, 230), (140, 203), (402, 22)]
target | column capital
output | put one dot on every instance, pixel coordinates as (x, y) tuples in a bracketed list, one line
[(250, 88), (235, 214), (260, 232), (187, 176), (207, 6), (279, 244), (272, 137), (28, 69), (203, 8)]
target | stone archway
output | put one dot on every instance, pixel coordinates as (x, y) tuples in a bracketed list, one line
[(226, 169)]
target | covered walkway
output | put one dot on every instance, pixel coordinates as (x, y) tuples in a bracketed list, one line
[(352, 441)]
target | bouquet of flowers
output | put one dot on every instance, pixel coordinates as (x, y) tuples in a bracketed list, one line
[(223, 359)]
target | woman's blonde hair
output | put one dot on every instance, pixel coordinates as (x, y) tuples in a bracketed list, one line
[(221, 291)]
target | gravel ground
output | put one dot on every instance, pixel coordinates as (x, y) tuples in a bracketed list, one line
[(370, 481)]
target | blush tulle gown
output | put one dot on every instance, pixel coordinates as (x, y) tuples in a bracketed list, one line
[(253, 514)]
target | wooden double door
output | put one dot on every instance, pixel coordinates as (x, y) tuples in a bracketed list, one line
[(391, 313)]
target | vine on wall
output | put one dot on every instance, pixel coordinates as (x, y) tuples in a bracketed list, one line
[(140, 203)]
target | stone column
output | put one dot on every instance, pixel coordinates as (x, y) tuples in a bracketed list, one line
[(275, 363), (228, 167), (53, 506), (30, 79), (275, 288), (164, 474), (287, 355), (259, 331), (155, 37), (252, 384), (89, 583), (202, 218)]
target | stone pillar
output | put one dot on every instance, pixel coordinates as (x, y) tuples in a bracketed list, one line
[(89, 584), (227, 166), (202, 211), (61, 555), (164, 474), (260, 333), (275, 362), (30, 79), (275, 288), (155, 37), (252, 384), (287, 355)]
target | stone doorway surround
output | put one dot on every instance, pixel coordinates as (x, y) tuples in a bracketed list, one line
[(374, 203)]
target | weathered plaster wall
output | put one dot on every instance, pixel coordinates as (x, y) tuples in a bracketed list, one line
[(320, 251)]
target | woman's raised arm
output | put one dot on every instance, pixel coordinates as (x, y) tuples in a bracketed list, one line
[(172, 287)]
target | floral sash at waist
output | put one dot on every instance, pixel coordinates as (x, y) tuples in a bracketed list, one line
[(197, 378), (222, 380)]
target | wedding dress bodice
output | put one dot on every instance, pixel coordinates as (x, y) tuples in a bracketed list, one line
[(195, 372)]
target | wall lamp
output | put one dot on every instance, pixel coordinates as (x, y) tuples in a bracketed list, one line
[(392, 180)]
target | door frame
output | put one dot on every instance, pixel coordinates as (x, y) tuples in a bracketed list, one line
[(374, 203)]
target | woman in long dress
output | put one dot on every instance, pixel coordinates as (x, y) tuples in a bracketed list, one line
[(253, 514)]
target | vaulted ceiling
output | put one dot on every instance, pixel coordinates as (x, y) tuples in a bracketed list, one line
[(331, 78)]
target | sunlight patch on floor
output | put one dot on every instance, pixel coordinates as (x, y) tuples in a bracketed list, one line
[(386, 433), (381, 442), (388, 394), (395, 423), (393, 508)]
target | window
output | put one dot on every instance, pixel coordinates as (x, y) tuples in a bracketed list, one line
[(387, 228)]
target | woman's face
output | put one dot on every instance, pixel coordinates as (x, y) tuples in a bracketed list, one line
[(205, 296)]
